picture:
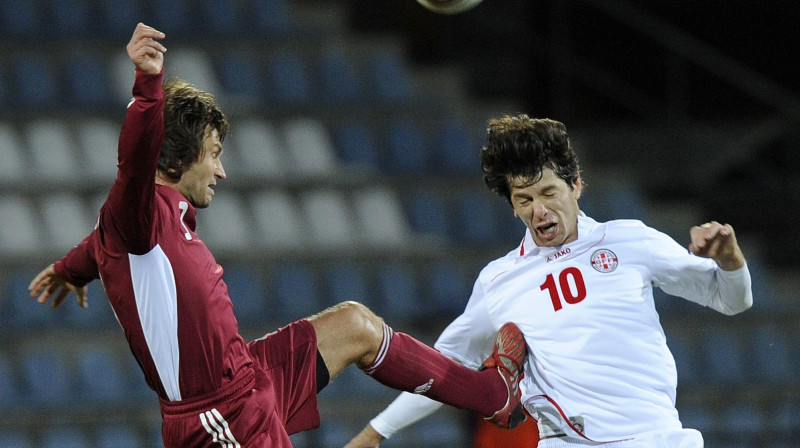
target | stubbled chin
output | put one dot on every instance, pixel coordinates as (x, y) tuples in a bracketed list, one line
[(545, 243)]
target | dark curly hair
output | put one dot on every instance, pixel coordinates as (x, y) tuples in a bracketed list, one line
[(188, 114), (524, 146)]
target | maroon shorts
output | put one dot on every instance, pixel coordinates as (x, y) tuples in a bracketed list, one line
[(260, 408)]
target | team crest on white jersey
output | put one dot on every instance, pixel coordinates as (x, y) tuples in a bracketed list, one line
[(603, 260)]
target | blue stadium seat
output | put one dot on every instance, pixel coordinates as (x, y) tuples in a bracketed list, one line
[(297, 292), (356, 145), (617, 199), (407, 149), (302, 440), (35, 82), (118, 436), (64, 437), (88, 82), (272, 17), (427, 213), (771, 354), (787, 417), (348, 281), (398, 292), (119, 17), (240, 77), (14, 438), (70, 17), (353, 381), (741, 420), (339, 77), (389, 77), (290, 81), (475, 218), (20, 18), (9, 391), (138, 391), (441, 429), (220, 17), (27, 314), (97, 315), (456, 149), (100, 376), (47, 377), (248, 294), (448, 287), (335, 434), (5, 100), (724, 357), (174, 17)]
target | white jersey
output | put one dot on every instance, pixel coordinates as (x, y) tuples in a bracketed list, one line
[(598, 367)]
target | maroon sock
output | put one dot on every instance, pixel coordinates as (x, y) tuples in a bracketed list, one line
[(406, 364)]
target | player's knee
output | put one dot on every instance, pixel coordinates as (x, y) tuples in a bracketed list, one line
[(364, 326)]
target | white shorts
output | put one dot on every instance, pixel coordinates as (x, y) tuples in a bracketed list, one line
[(682, 438)]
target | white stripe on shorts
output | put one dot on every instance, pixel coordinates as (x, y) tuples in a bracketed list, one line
[(216, 425)]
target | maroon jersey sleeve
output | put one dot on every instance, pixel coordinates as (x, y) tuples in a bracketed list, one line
[(79, 267), (129, 209)]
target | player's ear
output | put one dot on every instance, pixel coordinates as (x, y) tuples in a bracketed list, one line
[(577, 189)]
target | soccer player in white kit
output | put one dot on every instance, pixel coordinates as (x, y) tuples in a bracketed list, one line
[(599, 372)]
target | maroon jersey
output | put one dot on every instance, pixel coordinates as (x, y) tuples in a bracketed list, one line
[(164, 285)]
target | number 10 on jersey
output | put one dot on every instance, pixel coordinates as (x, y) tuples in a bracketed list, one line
[(570, 287)]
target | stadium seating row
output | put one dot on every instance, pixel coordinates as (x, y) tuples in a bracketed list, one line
[(116, 18), (267, 79), (439, 430), (256, 150), (353, 220), (401, 291)]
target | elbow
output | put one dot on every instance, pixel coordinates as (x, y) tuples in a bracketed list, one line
[(740, 307)]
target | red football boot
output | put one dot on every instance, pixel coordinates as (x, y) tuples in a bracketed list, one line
[(507, 357)]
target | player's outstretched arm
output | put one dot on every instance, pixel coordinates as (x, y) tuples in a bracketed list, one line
[(718, 242), (48, 284), (404, 411), (367, 438)]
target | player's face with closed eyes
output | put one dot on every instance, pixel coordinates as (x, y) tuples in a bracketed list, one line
[(548, 206)]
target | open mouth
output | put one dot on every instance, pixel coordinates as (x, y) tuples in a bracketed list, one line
[(547, 231)]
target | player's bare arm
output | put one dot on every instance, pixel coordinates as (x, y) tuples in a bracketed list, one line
[(718, 242), (144, 49), (47, 283), (367, 438)]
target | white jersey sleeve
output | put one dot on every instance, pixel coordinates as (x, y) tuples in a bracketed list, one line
[(697, 279), (469, 338), (405, 410)]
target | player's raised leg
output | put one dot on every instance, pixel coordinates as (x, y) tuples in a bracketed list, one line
[(350, 333)]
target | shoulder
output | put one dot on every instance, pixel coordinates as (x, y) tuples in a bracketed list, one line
[(498, 266), (629, 228)]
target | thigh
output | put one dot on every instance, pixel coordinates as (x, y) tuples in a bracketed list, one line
[(288, 359)]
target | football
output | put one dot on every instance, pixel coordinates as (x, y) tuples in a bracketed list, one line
[(449, 6)]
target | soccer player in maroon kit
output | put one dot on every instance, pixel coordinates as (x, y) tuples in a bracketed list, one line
[(169, 296)]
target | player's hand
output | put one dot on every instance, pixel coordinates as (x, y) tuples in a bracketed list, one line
[(47, 284), (144, 49), (367, 438), (718, 242)]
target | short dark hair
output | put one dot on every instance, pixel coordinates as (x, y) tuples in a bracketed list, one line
[(523, 146), (189, 113)]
